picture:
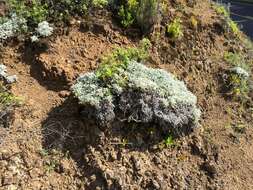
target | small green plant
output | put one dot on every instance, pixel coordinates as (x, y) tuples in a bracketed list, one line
[(169, 141), (174, 29), (238, 85), (34, 11), (142, 13), (234, 27), (8, 102), (8, 99), (239, 128), (221, 10), (126, 16), (237, 76), (99, 3), (120, 57), (194, 22), (43, 152), (235, 59)]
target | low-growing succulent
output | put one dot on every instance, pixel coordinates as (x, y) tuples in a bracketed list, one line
[(146, 95)]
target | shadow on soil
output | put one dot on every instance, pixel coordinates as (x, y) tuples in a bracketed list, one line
[(30, 52), (70, 133)]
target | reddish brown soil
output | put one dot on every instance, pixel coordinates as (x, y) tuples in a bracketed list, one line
[(78, 52), (49, 146)]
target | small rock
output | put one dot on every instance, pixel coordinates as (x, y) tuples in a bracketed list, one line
[(8, 179), (64, 93), (209, 168), (136, 162), (35, 172), (93, 178), (11, 187), (155, 184), (113, 156), (65, 166)]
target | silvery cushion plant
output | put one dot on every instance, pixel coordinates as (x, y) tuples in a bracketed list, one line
[(4, 76), (44, 29), (136, 93), (12, 26)]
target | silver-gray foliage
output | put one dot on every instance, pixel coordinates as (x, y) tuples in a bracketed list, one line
[(148, 96), (4, 76), (12, 27), (240, 72), (44, 29)]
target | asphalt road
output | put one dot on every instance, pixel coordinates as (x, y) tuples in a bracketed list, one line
[(242, 13)]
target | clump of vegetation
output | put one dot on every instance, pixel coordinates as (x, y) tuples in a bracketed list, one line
[(222, 10), (138, 12), (7, 104), (169, 141), (238, 76), (12, 26), (24, 16), (235, 59), (99, 3), (234, 27), (130, 91), (174, 29), (44, 29), (120, 57), (33, 11), (238, 82), (194, 22), (5, 77)]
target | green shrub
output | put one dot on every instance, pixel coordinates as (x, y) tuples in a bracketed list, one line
[(64, 9), (142, 13), (147, 13), (120, 57), (233, 27), (221, 10), (34, 12), (7, 99), (238, 83), (99, 3), (174, 29), (238, 76), (127, 19), (236, 60)]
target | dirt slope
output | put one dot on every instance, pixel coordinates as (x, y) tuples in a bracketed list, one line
[(49, 146)]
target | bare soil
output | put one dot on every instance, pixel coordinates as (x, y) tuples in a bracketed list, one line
[(49, 146)]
